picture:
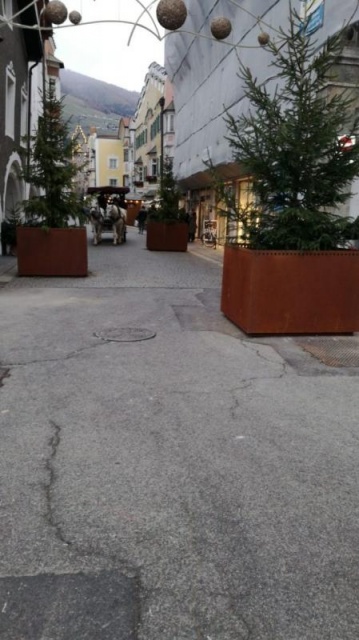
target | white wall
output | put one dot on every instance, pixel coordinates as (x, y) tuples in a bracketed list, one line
[(203, 71)]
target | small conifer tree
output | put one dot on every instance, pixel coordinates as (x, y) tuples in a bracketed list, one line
[(51, 169), (288, 143), (169, 195)]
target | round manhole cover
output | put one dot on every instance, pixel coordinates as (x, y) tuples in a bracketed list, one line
[(126, 334)]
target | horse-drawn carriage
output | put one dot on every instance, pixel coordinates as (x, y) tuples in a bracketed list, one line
[(107, 213)]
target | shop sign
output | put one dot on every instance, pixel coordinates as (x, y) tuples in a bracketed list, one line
[(312, 13), (346, 143)]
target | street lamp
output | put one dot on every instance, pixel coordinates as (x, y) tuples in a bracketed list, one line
[(162, 104)]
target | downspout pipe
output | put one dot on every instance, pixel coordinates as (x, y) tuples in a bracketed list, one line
[(162, 104), (29, 114)]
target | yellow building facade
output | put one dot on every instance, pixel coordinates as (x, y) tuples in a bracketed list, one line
[(147, 123), (109, 162)]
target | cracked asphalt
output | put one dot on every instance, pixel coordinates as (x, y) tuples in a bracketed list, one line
[(199, 485)]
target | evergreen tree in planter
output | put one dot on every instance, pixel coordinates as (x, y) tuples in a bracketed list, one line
[(169, 195), (51, 170), (292, 276), (289, 144), (50, 243), (166, 228)]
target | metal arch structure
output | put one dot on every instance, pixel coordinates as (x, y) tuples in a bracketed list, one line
[(145, 10)]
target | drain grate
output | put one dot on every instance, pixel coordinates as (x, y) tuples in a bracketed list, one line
[(125, 334), (333, 352)]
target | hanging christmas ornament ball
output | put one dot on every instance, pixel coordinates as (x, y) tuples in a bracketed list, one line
[(171, 14), (221, 28), (75, 17), (56, 12), (263, 38)]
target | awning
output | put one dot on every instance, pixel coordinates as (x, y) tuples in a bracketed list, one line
[(108, 190), (150, 193), (133, 196)]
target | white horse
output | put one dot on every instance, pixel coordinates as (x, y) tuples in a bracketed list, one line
[(118, 218), (97, 218)]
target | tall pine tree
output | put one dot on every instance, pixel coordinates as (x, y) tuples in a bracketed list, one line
[(51, 169), (289, 144)]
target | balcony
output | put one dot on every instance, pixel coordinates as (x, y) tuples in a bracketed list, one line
[(151, 179), (138, 183)]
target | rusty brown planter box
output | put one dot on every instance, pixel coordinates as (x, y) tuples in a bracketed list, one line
[(291, 292), (52, 252), (166, 236)]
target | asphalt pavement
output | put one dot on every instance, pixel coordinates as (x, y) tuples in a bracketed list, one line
[(162, 475)]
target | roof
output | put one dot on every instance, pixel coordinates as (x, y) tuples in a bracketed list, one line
[(109, 190), (150, 193), (133, 196), (50, 58), (170, 106)]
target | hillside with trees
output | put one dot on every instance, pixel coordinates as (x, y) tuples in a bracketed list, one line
[(90, 102)]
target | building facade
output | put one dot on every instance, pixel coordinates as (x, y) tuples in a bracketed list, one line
[(203, 73), (27, 65), (147, 123), (21, 54)]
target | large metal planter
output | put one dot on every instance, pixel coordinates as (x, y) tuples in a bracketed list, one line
[(52, 252), (166, 236), (291, 292)]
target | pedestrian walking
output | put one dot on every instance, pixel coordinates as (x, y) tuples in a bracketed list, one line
[(192, 226), (141, 219)]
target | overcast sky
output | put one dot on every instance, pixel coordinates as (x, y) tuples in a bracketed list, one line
[(100, 50)]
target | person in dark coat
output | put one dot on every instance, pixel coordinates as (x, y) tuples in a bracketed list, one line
[(141, 219), (192, 226)]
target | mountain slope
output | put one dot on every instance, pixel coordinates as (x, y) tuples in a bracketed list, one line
[(90, 102)]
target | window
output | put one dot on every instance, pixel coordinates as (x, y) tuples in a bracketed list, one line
[(154, 167), (125, 155), (112, 163), (113, 182), (170, 123), (10, 102), (141, 139), (155, 127)]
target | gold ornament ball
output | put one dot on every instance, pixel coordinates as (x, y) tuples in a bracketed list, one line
[(263, 38), (171, 14), (56, 12), (221, 28), (75, 17)]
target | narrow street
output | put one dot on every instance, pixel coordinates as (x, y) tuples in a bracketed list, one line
[(163, 476)]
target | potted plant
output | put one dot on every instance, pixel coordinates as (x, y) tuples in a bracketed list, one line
[(52, 240), (289, 270), (167, 227)]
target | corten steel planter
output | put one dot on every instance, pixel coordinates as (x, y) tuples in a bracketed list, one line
[(166, 236), (52, 252), (291, 292)]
